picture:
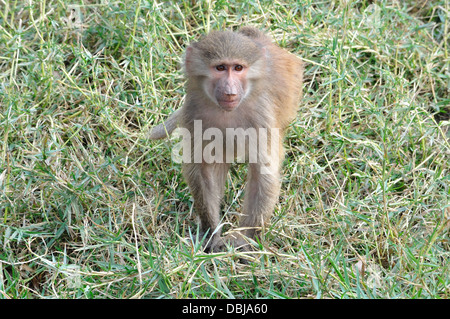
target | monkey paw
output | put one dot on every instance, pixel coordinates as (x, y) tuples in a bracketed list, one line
[(234, 239)]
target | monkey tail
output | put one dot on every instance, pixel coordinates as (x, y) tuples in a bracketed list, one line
[(164, 130)]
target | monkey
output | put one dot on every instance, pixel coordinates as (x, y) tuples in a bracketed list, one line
[(236, 81)]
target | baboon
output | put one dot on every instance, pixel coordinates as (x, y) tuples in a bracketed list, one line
[(242, 81)]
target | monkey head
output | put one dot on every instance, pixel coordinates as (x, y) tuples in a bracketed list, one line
[(224, 65)]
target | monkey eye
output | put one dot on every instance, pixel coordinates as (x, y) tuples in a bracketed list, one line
[(221, 67), (238, 67)]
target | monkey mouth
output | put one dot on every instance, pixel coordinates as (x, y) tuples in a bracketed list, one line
[(228, 105)]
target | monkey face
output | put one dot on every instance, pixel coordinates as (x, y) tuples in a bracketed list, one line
[(227, 84)]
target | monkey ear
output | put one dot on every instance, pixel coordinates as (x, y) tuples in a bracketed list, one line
[(265, 53), (189, 52), (188, 59), (191, 48), (193, 62)]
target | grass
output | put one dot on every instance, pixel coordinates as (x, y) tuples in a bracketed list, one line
[(90, 208)]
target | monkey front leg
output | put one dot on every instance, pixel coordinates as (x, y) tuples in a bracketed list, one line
[(206, 183), (261, 195)]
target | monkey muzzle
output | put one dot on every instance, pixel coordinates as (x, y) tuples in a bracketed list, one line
[(229, 104)]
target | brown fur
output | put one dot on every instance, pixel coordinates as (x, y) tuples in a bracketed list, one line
[(274, 83)]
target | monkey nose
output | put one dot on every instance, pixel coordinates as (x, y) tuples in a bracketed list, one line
[(230, 91)]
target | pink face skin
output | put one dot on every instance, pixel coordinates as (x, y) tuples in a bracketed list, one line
[(228, 84)]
